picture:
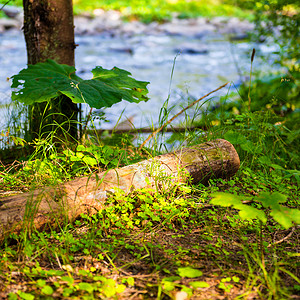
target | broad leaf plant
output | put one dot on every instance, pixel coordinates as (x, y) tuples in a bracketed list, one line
[(45, 81)]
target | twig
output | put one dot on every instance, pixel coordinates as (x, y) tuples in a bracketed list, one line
[(5, 4), (283, 239), (173, 118), (58, 261)]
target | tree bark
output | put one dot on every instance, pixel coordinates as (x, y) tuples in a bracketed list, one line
[(52, 205), (49, 33)]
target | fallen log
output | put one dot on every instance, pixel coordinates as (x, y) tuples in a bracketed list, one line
[(51, 205)]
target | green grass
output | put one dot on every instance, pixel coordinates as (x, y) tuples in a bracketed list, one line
[(160, 10), (156, 245)]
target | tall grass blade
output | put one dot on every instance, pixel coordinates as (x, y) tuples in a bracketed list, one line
[(183, 110)]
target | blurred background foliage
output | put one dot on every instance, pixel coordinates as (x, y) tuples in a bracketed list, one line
[(278, 23), (158, 10)]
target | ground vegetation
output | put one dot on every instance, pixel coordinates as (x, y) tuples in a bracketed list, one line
[(234, 238)]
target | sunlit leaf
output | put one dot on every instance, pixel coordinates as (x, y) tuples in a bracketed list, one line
[(249, 212), (41, 282), (79, 155), (48, 290), (199, 284), (271, 200), (12, 296), (25, 296), (286, 216), (55, 273), (245, 211), (130, 281), (90, 160), (189, 272), (120, 288), (68, 279), (85, 286), (169, 286), (81, 148), (225, 199)]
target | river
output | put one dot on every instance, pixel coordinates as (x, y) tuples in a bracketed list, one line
[(201, 65)]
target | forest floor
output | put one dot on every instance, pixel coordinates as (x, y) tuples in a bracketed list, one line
[(171, 244)]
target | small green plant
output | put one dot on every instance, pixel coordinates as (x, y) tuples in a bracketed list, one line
[(172, 283), (91, 285), (91, 157), (49, 81), (285, 216)]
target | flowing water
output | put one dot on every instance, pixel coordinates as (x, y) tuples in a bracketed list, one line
[(149, 58)]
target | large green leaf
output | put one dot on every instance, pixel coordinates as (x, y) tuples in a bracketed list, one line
[(48, 80), (246, 212), (285, 216), (42, 82)]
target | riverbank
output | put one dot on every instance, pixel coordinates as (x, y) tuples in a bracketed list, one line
[(112, 23)]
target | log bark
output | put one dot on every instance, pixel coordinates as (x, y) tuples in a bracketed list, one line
[(51, 205)]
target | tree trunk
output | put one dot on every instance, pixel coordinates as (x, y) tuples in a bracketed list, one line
[(49, 33), (51, 205)]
